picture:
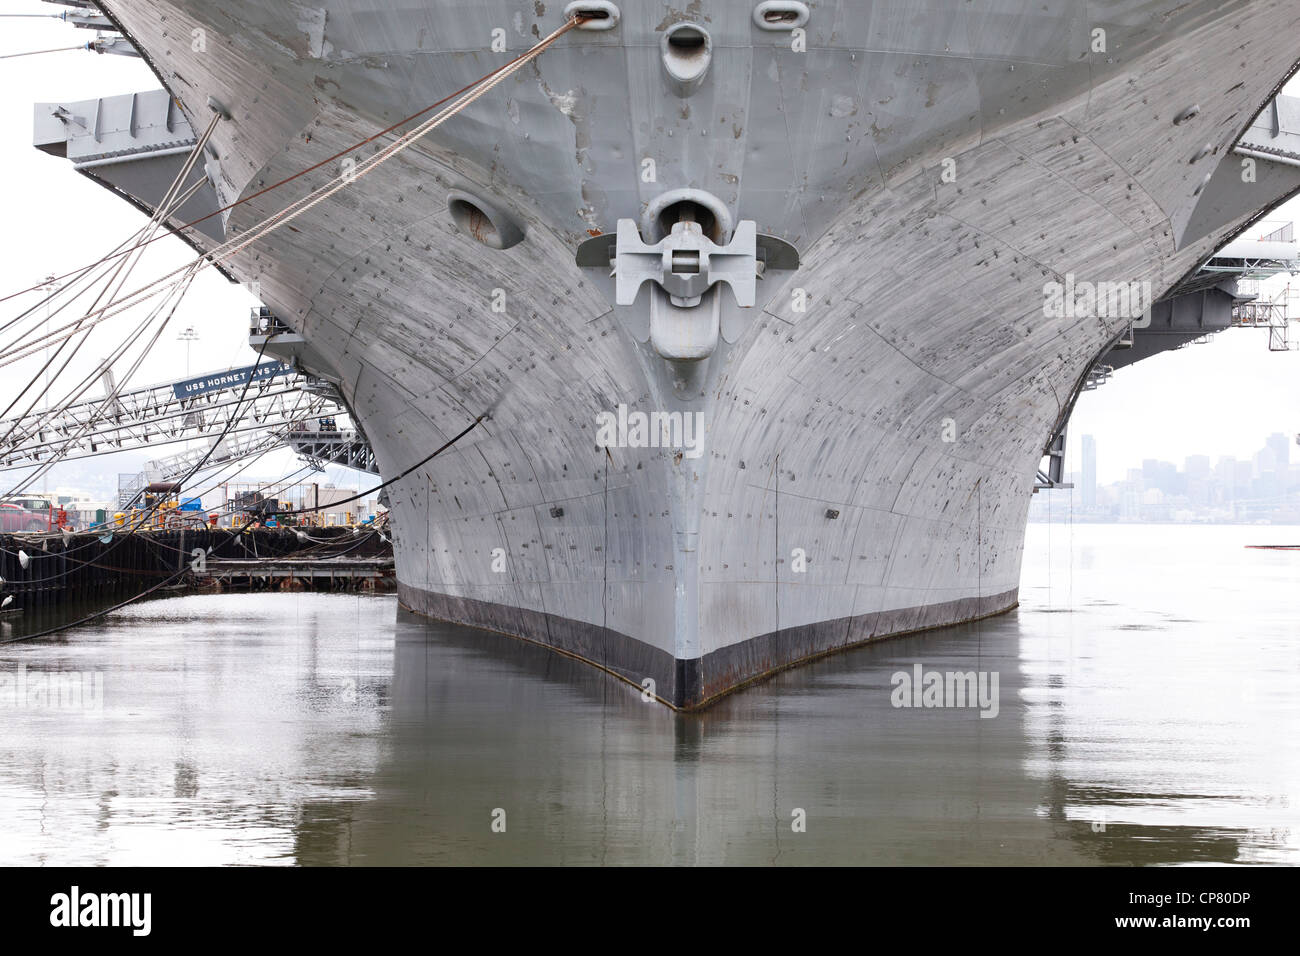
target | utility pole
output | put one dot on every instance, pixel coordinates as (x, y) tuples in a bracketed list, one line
[(189, 336), (50, 286)]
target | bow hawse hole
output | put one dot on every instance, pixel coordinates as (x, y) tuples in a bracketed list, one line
[(687, 211), (687, 51), (781, 14), (483, 221), (687, 41), (475, 221), (593, 14)]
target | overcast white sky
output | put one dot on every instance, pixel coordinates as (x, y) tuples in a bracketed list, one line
[(1219, 399)]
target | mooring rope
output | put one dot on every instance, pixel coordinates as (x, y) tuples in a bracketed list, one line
[(232, 247), (57, 49)]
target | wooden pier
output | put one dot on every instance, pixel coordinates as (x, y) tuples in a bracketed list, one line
[(300, 574), (45, 570)]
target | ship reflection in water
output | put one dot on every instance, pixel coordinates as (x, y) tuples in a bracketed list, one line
[(1145, 714)]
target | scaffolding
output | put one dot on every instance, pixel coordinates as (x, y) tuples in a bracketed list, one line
[(1277, 314)]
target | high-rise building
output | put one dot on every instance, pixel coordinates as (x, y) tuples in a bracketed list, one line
[(1163, 475), (1244, 473), (1225, 473), (1281, 448), (1265, 461), (1089, 472)]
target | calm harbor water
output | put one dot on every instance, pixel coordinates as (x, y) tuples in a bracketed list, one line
[(1146, 713)]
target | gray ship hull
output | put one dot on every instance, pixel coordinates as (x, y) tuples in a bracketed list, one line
[(871, 427)]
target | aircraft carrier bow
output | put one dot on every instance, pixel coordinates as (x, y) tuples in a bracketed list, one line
[(767, 312)]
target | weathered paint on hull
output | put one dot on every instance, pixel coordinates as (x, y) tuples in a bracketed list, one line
[(690, 684), (924, 316)]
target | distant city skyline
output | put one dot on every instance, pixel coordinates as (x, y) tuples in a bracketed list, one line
[(1265, 487)]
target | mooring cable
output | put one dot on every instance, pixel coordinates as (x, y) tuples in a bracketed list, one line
[(118, 386), (104, 266), (118, 539), (234, 246), (167, 206), (138, 523), (575, 21), (68, 400), (183, 571), (57, 49), (290, 212), (284, 216), (171, 201), (379, 487)]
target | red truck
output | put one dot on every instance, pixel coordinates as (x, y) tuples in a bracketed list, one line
[(28, 514)]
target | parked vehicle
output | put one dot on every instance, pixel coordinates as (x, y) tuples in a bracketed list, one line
[(41, 505), (15, 515)]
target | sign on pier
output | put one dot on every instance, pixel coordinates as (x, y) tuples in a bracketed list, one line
[(234, 378)]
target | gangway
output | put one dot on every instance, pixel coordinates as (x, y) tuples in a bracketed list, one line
[(318, 447), (323, 447), (1278, 315), (269, 396), (205, 457), (1267, 249), (1223, 294)]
